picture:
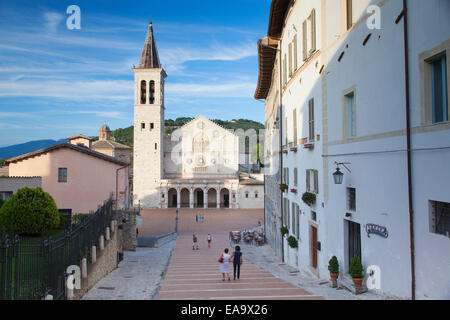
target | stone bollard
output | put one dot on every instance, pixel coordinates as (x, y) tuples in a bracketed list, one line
[(108, 234), (113, 225), (102, 243), (48, 297), (94, 254), (84, 268)]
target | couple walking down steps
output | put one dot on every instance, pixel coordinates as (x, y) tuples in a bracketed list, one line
[(226, 258)]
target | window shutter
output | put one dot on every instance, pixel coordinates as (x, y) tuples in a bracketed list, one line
[(313, 30), (290, 59), (349, 14), (311, 119), (295, 177), (307, 180), (295, 53), (316, 181), (294, 118), (305, 40)]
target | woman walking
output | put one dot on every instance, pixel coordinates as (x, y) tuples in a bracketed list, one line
[(237, 262), (224, 261)]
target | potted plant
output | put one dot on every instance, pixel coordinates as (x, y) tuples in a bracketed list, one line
[(284, 231), (309, 198), (356, 271), (293, 243), (284, 187), (333, 267)]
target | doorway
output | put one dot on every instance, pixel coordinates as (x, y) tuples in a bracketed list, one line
[(314, 250), (353, 241)]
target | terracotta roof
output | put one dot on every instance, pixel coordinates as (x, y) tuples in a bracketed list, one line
[(266, 55), (278, 10), (80, 136), (149, 57), (69, 146), (266, 60), (108, 144)]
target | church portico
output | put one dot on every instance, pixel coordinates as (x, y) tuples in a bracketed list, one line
[(202, 194)]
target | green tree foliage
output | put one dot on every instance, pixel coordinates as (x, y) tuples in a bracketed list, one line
[(30, 212), (126, 135)]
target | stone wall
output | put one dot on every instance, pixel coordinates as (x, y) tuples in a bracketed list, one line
[(122, 238), (129, 236)]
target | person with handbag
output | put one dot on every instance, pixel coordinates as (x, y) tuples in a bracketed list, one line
[(224, 261)]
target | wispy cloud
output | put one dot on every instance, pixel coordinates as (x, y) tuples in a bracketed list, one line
[(77, 90), (217, 90)]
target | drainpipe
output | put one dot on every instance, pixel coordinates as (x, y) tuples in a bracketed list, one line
[(408, 148), (281, 146), (117, 185)]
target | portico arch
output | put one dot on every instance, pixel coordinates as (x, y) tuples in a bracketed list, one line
[(185, 198), (224, 198), (198, 198), (172, 198), (212, 198)]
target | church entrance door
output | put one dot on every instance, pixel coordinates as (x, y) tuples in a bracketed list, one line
[(199, 198)]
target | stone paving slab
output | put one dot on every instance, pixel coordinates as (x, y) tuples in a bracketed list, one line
[(195, 275), (137, 277)]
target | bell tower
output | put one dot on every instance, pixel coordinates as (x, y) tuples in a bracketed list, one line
[(148, 125)]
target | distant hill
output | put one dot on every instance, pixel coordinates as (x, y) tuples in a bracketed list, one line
[(126, 135), (22, 148)]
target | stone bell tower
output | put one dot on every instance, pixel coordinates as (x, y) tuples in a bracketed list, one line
[(148, 125)]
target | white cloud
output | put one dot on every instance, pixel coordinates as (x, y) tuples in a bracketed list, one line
[(220, 90), (76, 90)]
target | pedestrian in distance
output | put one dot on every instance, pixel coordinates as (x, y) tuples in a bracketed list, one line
[(194, 242), (209, 238), (196, 218), (237, 262), (224, 261)]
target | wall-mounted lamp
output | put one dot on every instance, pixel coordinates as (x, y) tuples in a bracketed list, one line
[(338, 176)]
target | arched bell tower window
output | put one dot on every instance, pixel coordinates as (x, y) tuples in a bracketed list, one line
[(152, 92), (143, 92)]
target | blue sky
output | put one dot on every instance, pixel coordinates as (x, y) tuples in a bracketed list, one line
[(56, 82)]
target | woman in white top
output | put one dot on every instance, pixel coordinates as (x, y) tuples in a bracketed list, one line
[(224, 266)]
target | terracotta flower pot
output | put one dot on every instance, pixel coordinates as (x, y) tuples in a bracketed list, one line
[(334, 276), (357, 282)]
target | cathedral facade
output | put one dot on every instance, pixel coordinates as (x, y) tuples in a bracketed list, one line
[(197, 165)]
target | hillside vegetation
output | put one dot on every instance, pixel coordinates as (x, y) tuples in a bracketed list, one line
[(125, 136)]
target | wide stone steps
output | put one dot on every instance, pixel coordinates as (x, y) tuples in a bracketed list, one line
[(195, 275)]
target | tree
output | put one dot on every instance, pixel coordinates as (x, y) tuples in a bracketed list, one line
[(30, 212)]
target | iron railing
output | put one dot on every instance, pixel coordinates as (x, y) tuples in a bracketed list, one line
[(32, 268)]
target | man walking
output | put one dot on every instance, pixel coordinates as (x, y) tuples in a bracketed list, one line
[(209, 238), (194, 242)]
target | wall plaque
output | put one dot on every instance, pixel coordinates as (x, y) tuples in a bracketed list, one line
[(376, 229)]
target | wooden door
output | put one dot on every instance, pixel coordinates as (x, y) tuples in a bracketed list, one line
[(354, 240), (314, 247)]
